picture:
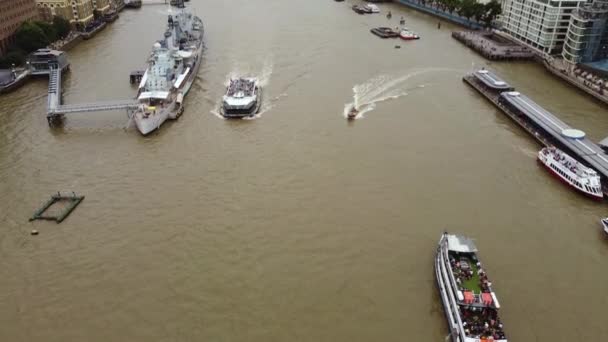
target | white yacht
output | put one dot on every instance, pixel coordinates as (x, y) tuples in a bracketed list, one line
[(172, 68), (469, 301), (571, 172), (242, 98), (371, 8)]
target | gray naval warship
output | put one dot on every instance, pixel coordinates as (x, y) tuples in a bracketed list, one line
[(172, 68)]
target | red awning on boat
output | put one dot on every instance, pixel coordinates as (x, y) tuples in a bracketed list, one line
[(468, 297), (486, 298)]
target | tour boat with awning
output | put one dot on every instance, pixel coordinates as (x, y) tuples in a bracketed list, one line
[(470, 303)]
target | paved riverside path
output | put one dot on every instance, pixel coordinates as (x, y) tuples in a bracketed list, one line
[(442, 14), (492, 46)]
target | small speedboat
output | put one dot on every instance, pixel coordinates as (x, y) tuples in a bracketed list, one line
[(352, 113), (604, 222), (408, 35)]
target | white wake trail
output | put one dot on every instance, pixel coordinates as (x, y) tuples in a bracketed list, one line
[(383, 88)]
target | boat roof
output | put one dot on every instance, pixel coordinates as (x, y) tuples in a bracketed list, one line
[(491, 80), (572, 139), (162, 95), (45, 52), (462, 244), (242, 102)]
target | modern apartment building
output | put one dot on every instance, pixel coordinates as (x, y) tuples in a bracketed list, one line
[(540, 24), (12, 14), (587, 38), (78, 12)]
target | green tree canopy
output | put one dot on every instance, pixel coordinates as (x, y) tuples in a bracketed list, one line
[(49, 30), (62, 26), (30, 37), (15, 57), (467, 8), (492, 9)]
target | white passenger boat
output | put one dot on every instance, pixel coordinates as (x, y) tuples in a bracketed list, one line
[(242, 99), (371, 8), (469, 301), (571, 172)]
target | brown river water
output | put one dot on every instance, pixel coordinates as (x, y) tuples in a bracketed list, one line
[(296, 225)]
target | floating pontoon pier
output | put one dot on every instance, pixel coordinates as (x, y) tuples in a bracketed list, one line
[(72, 202), (541, 124), (136, 76)]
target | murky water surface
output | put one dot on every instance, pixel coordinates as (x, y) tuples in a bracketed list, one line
[(297, 225)]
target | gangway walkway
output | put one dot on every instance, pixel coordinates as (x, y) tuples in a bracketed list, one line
[(56, 110), (96, 107), (54, 99)]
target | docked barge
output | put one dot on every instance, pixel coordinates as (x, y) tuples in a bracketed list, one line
[(470, 303), (545, 127)]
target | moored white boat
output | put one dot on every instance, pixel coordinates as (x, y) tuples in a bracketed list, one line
[(408, 35), (470, 304), (571, 172)]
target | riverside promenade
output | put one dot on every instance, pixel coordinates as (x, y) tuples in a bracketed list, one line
[(442, 14), (493, 46), (588, 82)]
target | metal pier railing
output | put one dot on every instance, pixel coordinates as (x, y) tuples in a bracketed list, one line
[(56, 110), (54, 99), (95, 107)]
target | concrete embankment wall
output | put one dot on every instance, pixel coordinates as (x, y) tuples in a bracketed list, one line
[(69, 45)]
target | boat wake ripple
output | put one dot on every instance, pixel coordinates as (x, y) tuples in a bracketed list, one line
[(382, 88)]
